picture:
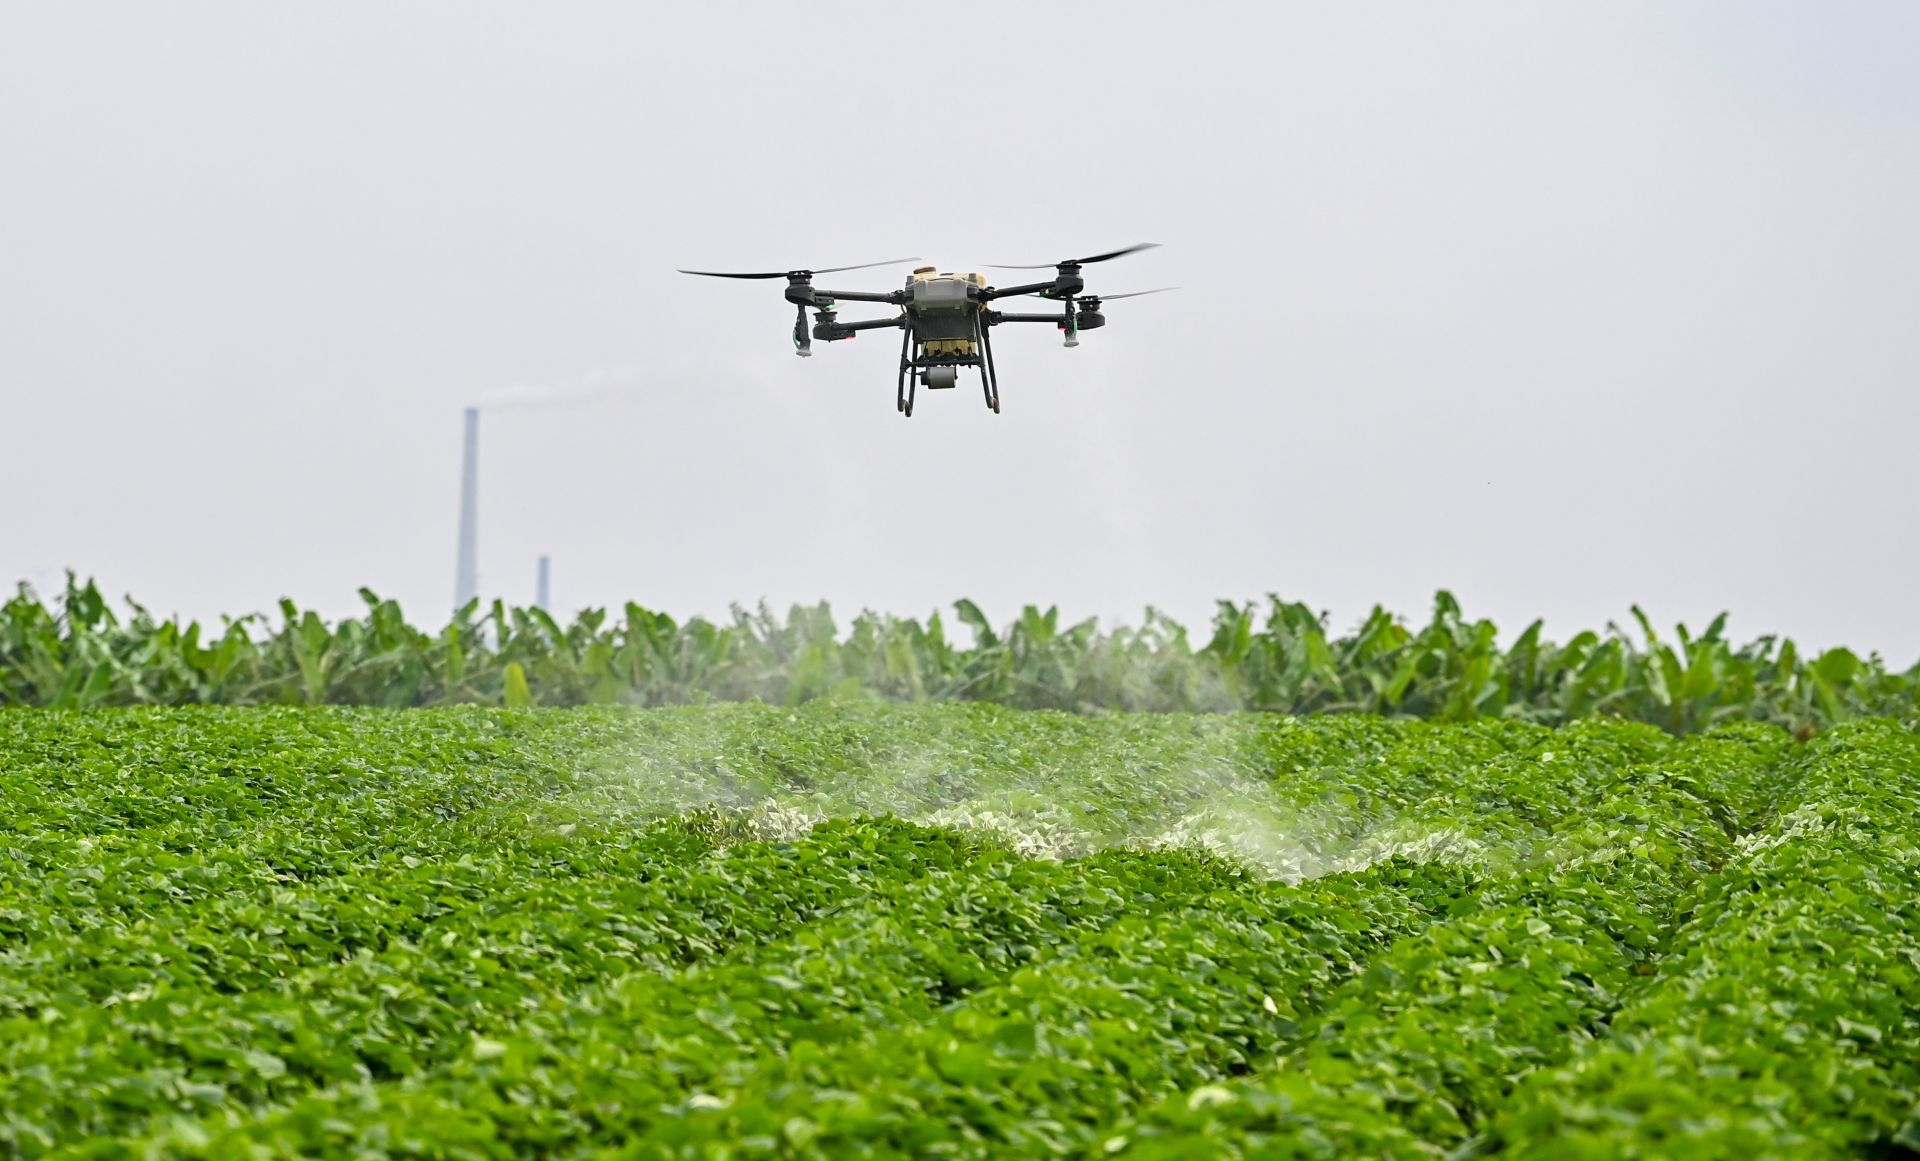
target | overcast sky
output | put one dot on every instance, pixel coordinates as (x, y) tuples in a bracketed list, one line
[(1563, 307)]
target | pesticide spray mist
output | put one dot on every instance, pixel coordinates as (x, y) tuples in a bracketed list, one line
[(1051, 785)]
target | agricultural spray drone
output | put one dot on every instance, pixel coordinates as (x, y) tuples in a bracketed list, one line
[(948, 318)]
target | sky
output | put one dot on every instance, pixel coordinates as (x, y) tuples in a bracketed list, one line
[(1560, 307)]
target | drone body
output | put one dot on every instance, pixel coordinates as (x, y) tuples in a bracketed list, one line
[(947, 319)]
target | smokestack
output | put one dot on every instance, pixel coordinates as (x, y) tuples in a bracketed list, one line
[(540, 591), (466, 581)]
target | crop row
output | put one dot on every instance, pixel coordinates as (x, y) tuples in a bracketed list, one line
[(1574, 1020), (1282, 656), (1412, 1057), (1785, 1022), (458, 933)]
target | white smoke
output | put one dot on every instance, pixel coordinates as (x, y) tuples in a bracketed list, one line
[(596, 384)]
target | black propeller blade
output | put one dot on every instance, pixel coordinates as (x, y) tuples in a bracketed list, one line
[(1085, 294), (1083, 261), (785, 273), (1129, 294)]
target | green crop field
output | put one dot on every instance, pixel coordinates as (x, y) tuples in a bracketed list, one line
[(849, 929)]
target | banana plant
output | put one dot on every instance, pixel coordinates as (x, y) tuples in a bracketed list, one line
[(78, 651)]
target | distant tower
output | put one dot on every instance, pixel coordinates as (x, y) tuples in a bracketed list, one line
[(466, 582), (541, 591)]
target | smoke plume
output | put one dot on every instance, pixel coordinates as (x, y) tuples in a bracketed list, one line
[(598, 383)]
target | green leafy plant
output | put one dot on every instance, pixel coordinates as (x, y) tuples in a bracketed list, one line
[(474, 932), (1281, 657)]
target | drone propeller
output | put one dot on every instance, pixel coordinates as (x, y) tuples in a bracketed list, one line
[(1052, 297), (1083, 261), (1128, 294), (808, 273)]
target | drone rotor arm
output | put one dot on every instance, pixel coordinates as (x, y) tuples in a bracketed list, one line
[(895, 297), (993, 292), (830, 331), (1002, 316)]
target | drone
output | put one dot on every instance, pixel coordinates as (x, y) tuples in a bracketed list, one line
[(948, 318)]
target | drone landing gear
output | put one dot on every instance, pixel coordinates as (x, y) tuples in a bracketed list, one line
[(989, 382), (940, 372), (903, 387)]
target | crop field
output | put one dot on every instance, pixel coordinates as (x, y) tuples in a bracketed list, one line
[(952, 930)]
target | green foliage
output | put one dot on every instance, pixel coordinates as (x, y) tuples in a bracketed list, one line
[(1282, 657), (503, 933), (1785, 1022)]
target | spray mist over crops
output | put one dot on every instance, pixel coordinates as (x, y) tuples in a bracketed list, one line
[(1050, 785)]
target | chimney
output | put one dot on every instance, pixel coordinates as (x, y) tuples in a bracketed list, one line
[(541, 591), (466, 583)]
